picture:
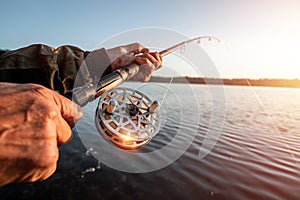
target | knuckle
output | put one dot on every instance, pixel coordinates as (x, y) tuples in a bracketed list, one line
[(47, 157), (51, 112), (34, 86), (136, 44), (42, 174), (42, 117), (47, 111), (43, 105), (123, 49), (32, 178), (47, 173), (37, 89)]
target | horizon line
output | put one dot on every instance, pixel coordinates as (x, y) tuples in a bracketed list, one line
[(262, 78)]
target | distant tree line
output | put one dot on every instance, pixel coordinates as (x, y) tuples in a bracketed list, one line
[(290, 83)]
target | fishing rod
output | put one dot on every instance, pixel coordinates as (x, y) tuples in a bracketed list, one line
[(91, 91), (125, 117)]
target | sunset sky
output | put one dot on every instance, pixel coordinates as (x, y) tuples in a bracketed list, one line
[(260, 38)]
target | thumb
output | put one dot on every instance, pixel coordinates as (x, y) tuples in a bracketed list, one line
[(70, 111)]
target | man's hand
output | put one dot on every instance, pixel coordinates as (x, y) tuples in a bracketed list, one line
[(33, 122), (148, 62), (135, 52)]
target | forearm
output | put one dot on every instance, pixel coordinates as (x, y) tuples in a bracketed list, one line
[(54, 68)]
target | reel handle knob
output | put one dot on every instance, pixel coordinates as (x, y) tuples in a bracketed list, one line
[(111, 107), (154, 107)]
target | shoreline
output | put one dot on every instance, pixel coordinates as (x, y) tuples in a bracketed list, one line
[(263, 82)]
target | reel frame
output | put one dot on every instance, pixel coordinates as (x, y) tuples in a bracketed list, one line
[(127, 118)]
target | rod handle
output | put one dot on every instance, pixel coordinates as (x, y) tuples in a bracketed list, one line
[(88, 92), (128, 71)]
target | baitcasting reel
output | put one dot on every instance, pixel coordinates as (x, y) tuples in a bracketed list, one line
[(127, 118)]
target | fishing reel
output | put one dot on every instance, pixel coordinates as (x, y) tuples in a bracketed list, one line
[(127, 118)]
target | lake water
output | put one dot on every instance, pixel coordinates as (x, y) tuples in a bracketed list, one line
[(251, 136)]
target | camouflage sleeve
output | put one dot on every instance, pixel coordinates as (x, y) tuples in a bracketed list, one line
[(56, 69)]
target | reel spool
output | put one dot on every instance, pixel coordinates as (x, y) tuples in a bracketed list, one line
[(127, 118)]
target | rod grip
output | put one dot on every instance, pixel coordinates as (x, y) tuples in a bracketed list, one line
[(129, 71), (88, 92), (82, 95)]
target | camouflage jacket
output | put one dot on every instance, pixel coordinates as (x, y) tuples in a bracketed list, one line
[(56, 69)]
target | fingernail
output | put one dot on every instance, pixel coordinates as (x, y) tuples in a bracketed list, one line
[(139, 58)]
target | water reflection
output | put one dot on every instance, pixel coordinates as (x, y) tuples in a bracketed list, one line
[(252, 159)]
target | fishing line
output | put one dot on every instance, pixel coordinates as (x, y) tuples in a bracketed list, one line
[(273, 124), (167, 90)]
